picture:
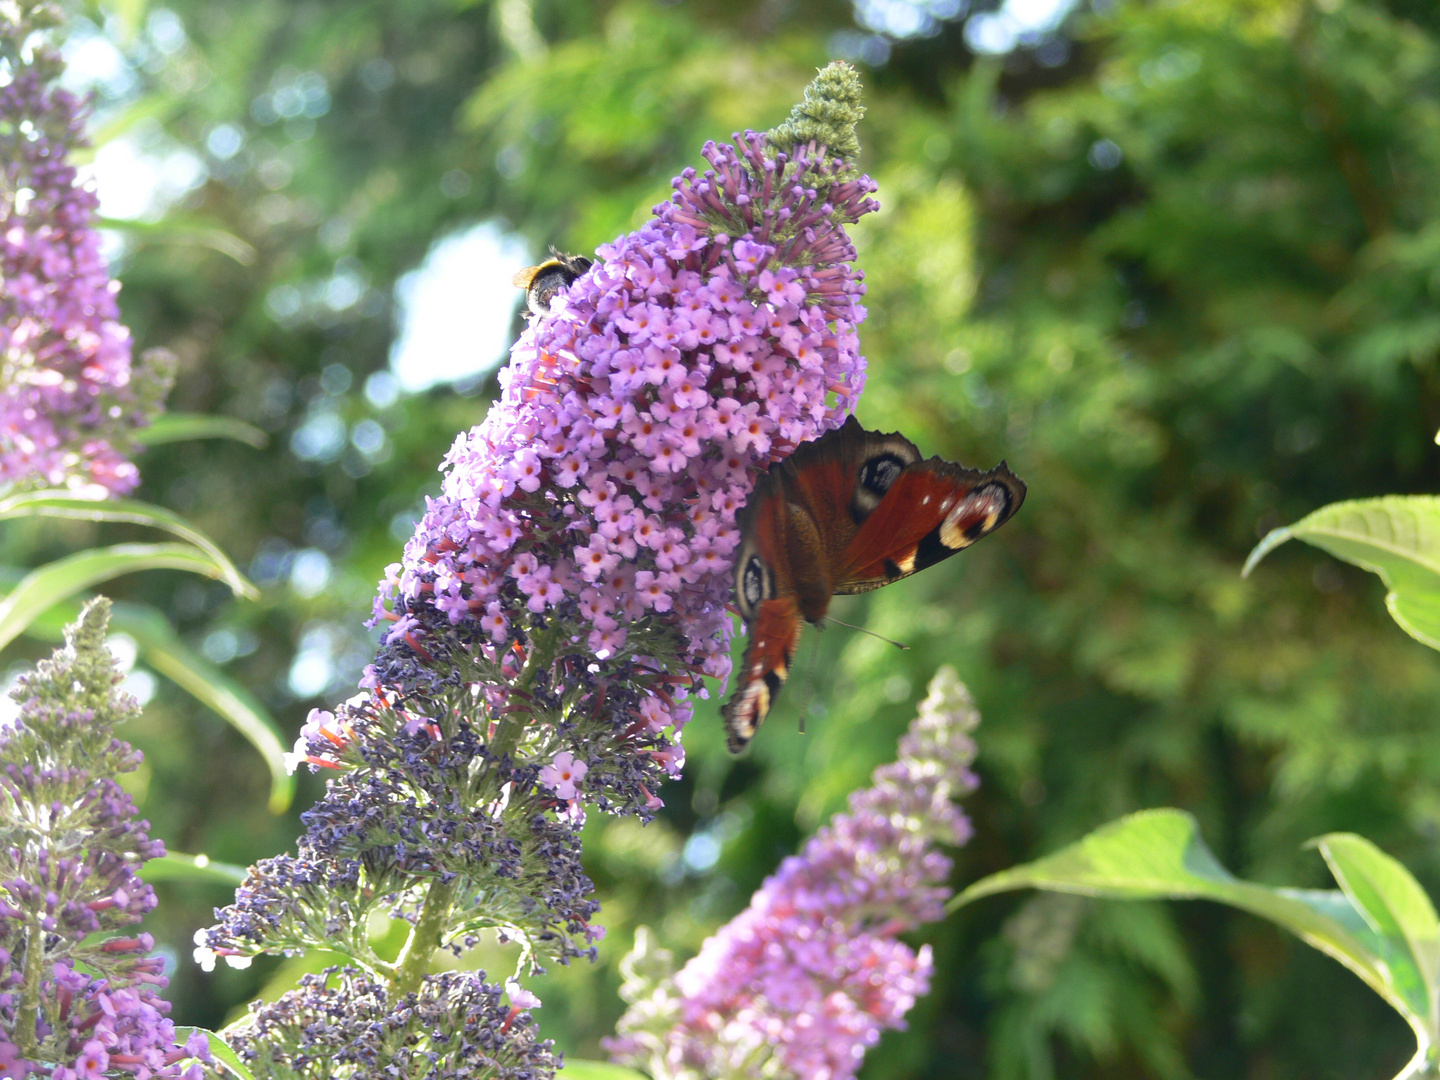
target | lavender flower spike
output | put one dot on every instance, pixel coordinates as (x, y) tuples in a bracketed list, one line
[(557, 605), (77, 998), (585, 530), (70, 399), (801, 983)]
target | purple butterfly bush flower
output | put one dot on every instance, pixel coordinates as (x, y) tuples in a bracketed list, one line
[(585, 529), (565, 594), (79, 994), (805, 979), (70, 399)]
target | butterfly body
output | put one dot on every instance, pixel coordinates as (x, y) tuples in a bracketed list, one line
[(852, 511)]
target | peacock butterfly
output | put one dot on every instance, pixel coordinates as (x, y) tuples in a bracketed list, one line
[(847, 513)]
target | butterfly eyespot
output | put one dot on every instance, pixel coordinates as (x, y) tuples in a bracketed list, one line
[(877, 474), (752, 582), (980, 528), (991, 501)]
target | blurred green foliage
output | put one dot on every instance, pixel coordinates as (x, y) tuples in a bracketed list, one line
[(1177, 262)]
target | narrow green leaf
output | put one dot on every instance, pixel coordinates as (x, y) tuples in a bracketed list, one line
[(219, 1050), (62, 504), (48, 585), (143, 108), (128, 15), (1397, 537), (173, 866), (168, 655), (578, 1069), (1158, 854), (161, 648), (180, 427), (185, 232)]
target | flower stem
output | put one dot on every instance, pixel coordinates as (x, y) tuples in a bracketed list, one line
[(508, 730), (414, 961), (28, 1010)]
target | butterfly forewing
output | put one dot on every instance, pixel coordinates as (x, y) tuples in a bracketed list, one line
[(932, 510)]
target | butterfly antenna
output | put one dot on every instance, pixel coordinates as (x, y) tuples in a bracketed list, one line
[(872, 633)]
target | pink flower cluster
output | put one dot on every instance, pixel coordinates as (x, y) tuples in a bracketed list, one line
[(68, 396), (812, 971), (602, 489), (117, 1031)]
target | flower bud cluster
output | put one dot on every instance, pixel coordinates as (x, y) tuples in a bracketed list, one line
[(78, 995), (343, 1023), (70, 399), (804, 980)]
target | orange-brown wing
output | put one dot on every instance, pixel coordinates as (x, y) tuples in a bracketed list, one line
[(849, 512), (930, 511), (774, 635), (794, 528)]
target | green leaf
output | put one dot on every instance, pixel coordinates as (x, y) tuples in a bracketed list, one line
[(65, 505), (177, 427), (1396, 536), (185, 232), (173, 866), (1395, 906), (167, 654), (161, 648), (1159, 854), (46, 586), (577, 1069), (144, 108), (219, 1049)]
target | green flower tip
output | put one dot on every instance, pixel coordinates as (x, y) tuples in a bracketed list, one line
[(82, 675), (828, 114), (85, 637)]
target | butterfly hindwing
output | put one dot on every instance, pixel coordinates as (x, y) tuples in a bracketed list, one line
[(774, 636), (849, 512)]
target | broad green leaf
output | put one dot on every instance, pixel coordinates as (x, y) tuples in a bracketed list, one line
[(1158, 854), (578, 1069), (1397, 537), (219, 1050), (46, 586), (179, 427), (1394, 905), (173, 866), (162, 649), (186, 232), (65, 505)]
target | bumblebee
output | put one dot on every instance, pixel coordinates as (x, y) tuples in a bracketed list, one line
[(554, 275)]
